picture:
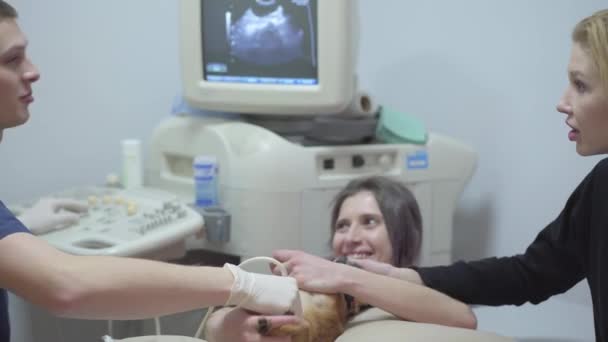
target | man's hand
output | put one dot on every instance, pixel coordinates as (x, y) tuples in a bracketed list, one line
[(50, 214)]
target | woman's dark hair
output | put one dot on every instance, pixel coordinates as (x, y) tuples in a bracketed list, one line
[(400, 210), (7, 11)]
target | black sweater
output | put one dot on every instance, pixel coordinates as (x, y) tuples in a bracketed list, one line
[(571, 248)]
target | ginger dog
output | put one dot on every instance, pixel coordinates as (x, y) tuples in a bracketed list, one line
[(324, 317)]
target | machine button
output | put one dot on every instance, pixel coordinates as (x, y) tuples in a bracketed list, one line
[(132, 209), (92, 201), (358, 161), (385, 160)]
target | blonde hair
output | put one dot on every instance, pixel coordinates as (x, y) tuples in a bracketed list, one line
[(592, 34)]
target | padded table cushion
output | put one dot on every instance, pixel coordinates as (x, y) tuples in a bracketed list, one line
[(377, 325)]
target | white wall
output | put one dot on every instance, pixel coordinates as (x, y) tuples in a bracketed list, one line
[(109, 71), (487, 72)]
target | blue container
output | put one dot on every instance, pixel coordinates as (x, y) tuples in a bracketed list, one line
[(205, 181)]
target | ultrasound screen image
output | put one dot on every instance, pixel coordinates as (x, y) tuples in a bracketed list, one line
[(260, 41)]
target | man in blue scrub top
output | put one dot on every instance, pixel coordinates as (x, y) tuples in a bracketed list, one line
[(8, 225), (103, 287)]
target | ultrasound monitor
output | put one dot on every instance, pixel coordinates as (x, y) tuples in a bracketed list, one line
[(275, 57)]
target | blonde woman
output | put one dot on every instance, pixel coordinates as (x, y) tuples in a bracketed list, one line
[(574, 246)]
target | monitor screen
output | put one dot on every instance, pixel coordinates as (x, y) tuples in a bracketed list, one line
[(260, 41), (269, 57)]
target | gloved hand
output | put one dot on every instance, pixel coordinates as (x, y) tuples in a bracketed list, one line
[(266, 294), (50, 214)]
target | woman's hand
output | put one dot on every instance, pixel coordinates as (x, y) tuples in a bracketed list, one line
[(382, 268), (238, 325), (314, 273)]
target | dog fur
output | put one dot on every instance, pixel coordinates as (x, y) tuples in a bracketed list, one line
[(324, 316), (324, 319)]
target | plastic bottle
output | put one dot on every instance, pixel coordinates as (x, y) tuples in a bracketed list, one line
[(205, 181), (132, 170)]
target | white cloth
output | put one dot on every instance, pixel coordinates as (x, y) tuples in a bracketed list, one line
[(265, 294), (50, 214)]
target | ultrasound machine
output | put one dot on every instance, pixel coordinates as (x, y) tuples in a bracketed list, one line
[(270, 92), (276, 100)]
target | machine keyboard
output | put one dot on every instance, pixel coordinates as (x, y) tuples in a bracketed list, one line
[(123, 222)]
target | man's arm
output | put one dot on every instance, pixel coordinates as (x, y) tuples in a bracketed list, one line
[(96, 287), (106, 287)]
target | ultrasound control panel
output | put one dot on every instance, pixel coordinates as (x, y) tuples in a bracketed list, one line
[(123, 222)]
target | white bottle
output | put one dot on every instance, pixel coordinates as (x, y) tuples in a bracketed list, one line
[(205, 181), (132, 168)]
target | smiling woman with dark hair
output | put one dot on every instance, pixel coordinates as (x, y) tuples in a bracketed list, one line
[(400, 213)]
